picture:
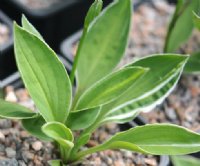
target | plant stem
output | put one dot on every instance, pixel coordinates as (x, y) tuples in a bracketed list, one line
[(177, 14), (73, 72), (88, 151)]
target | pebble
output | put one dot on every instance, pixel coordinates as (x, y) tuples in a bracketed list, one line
[(10, 94), (171, 114), (2, 136), (10, 152), (5, 124), (9, 162), (27, 155), (37, 145), (24, 134)]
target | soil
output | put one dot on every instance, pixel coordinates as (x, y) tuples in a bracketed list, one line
[(39, 4), (4, 33)]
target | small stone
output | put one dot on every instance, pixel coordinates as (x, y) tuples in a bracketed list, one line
[(111, 126), (22, 95), (26, 155), (2, 148), (10, 152), (10, 94), (12, 162), (103, 136), (119, 163), (24, 134), (5, 124), (92, 143), (37, 145), (151, 161), (171, 114), (2, 137)]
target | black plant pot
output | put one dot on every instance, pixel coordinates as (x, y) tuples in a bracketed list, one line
[(54, 22), (172, 1), (7, 61), (138, 121)]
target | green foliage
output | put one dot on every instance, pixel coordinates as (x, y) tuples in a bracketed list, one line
[(104, 44), (196, 20), (145, 139), (47, 87), (185, 161), (184, 20), (14, 111), (104, 93), (193, 64), (34, 127), (82, 119), (181, 25)]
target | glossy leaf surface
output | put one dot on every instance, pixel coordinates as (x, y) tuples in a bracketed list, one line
[(193, 64), (182, 25), (110, 88), (34, 127), (82, 119), (14, 111), (30, 28), (150, 89), (155, 139), (44, 76), (104, 44), (60, 133), (185, 161), (196, 20)]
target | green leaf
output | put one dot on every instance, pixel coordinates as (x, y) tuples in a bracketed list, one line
[(30, 28), (150, 89), (93, 12), (34, 127), (156, 139), (193, 64), (55, 163), (181, 26), (130, 111), (185, 161), (14, 111), (44, 75), (62, 135), (104, 44), (110, 87), (57, 131), (196, 20), (82, 119)]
